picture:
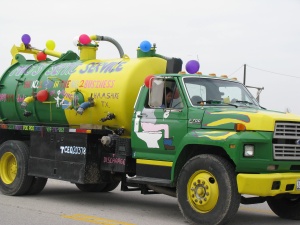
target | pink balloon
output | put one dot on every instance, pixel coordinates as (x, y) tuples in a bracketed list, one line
[(84, 39)]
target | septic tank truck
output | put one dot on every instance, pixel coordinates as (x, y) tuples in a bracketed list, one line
[(105, 123)]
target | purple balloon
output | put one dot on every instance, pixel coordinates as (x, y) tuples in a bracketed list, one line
[(192, 66), (26, 39)]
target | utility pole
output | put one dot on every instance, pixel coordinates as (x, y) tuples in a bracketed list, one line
[(244, 74)]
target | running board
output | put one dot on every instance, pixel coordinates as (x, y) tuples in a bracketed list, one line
[(149, 180)]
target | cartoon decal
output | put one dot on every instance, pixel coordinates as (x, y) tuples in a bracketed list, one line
[(58, 99), (152, 132)]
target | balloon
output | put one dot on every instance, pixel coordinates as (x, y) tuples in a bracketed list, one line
[(26, 39), (145, 46), (50, 45), (192, 66), (76, 40), (41, 56), (42, 95), (84, 39), (147, 81)]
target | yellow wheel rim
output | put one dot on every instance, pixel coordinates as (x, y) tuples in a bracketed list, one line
[(203, 191), (8, 168)]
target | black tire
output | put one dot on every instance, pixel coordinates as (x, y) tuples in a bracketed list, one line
[(111, 186), (207, 190), (285, 206), (91, 187), (14, 167), (37, 185)]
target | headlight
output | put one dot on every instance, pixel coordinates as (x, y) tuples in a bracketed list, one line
[(248, 150)]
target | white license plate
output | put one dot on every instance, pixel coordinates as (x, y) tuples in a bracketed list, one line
[(298, 185)]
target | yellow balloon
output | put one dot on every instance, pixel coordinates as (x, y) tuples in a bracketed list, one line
[(50, 45)]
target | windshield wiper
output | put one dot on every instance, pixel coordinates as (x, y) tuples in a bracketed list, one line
[(218, 102), (245, 102)]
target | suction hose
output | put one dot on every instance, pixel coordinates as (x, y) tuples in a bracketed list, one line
[(111, 40)]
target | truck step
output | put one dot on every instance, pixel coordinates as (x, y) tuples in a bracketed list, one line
[(149, 180)]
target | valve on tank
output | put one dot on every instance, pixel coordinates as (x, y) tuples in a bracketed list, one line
[(109, 116), (85, 105), (109, 142)]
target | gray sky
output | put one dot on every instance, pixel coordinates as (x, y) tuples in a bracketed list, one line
[(222, 34)]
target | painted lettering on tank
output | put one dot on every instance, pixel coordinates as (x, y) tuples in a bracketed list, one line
[(20, 98), (36, 69), (100, 95), (19, 70), (96, 83), (102, 67), (104, 104), (46, 84), (63, 69), (7, 97)]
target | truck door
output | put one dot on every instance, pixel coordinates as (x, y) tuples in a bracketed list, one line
[(159, 123)]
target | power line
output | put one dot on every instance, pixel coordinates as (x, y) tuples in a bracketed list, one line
[(236, 70), (274, 72)]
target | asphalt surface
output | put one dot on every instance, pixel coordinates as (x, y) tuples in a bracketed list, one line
[(62, 203)]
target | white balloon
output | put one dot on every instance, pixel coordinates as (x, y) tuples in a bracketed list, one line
[(76, 40)]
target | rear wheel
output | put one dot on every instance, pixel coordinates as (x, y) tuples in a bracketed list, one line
[(102, 187), (111, 186), (91, 187), (285, 206), (37, 185), (207, 190), (13, 168)]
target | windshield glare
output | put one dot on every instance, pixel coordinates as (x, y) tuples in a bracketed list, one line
[(206, 91)]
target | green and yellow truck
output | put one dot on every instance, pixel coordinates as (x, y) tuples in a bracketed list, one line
[(103, 124)]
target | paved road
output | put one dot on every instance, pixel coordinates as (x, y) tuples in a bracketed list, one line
[(62, 203)]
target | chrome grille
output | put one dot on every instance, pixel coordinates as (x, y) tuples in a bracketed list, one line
[(286, 152), (287, 130), (287, 135)]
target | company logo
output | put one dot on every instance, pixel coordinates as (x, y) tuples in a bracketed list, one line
[(297, 142), (196, 121)]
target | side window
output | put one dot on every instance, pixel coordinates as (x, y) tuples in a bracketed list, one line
[(164, 93), (171, 97), (156, 93)]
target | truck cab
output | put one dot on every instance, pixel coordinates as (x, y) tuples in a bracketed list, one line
[(214, 121)]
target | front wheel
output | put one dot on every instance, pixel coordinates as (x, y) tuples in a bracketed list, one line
[(285, 206), (207, 190)]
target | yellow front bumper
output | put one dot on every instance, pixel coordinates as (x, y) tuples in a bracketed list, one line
[(268, 184)]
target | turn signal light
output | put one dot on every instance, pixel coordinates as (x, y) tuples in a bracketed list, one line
[(239, 127)]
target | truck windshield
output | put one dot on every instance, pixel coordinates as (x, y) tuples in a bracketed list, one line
[(208, 91)]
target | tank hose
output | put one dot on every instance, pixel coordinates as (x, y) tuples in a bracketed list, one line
[(26, 101), (84, 106), (111, 40)]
